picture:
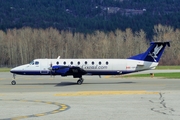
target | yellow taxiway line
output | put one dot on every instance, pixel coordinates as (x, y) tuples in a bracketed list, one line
[(89, 93), (61, 108)]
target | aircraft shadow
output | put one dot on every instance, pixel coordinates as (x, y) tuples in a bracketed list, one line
[(65, 84), (71, 83)]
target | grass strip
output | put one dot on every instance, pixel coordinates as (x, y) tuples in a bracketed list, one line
[(5, 69), (174, 75), (167, 67)]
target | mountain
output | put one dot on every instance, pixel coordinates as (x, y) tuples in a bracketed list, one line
[(86, 16)]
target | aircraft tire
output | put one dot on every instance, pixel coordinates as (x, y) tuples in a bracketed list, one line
[(79, 82), (13, 82)]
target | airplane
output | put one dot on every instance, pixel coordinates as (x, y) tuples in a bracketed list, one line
[(79, 67)]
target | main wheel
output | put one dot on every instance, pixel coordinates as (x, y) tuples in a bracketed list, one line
[(79, 82), (13, 82)]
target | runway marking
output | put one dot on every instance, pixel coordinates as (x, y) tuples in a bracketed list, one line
[(61, 108), (89, 93), (1, 78), (107, 76), (38, 115), (17, 118)]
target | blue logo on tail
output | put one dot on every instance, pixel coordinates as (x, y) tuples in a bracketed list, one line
[(154, 52)]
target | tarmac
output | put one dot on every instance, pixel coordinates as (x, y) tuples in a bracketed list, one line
[(106, 98)]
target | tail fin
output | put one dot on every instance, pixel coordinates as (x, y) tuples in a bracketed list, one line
[(153, 53)]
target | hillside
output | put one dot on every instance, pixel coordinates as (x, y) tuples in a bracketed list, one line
[(86, 16)]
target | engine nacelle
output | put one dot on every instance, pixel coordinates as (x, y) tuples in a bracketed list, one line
[(60, 70)]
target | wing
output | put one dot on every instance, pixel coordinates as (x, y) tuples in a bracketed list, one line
[(77, 72)]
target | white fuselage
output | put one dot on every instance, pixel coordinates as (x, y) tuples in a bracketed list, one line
[(91, 66)]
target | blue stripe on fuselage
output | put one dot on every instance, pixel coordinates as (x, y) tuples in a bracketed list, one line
[(28, 73), (88, 72)]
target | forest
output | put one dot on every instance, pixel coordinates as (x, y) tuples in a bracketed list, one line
[(87, 16), (20, 46)]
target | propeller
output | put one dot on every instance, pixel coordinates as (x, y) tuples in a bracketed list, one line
[(50, 69)]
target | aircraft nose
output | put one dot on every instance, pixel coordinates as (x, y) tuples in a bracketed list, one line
[(16, 69), (13, 70)]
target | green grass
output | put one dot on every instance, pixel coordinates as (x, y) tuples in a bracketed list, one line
[(5, 69), (175, 75), (167, 67)]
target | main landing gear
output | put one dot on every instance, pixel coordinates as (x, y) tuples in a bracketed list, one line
[(80, 81), (13, 82)]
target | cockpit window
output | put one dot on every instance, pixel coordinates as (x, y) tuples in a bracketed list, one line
[(36, 63), (31, 63)]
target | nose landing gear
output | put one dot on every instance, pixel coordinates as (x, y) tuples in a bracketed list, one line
[(13, 82)]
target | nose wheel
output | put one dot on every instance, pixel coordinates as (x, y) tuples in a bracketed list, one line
[(13, 82), (80, 81)]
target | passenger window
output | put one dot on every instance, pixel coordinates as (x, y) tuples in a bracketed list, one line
[(99, 63), (57, 63), (71, 62), (92, 63), (36, 63), (64, 62), (78, 63), (85, 62), (107, 63)]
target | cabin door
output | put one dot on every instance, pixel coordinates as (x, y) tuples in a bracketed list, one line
[(44, 67)]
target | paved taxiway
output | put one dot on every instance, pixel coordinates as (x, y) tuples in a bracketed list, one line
[(106, 98)]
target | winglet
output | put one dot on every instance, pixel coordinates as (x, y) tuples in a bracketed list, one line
[(153, 53)]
